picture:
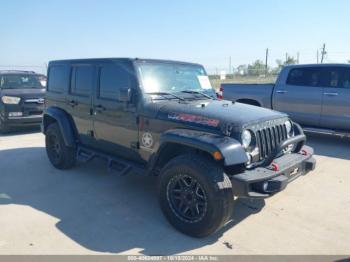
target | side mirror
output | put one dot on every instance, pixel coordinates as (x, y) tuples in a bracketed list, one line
[(124, 94)]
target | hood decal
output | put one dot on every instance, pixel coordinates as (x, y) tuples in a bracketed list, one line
[(189, 118)]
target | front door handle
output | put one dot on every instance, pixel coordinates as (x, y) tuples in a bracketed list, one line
[(281, 91), (331, 94), (72, 103)]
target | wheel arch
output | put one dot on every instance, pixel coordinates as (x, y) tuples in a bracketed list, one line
[(59, 116), (180, 141)]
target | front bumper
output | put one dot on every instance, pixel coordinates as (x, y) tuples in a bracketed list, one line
[(263, 182), (23, 121), (31, 114)]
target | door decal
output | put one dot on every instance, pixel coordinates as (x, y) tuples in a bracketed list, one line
[(147, 140)]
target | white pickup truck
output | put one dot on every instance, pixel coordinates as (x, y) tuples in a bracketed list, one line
[(315, 96)]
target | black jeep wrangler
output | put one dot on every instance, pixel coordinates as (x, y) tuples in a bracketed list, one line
[(162, 118), (21, 99)]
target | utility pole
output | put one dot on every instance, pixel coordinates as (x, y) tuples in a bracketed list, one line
[(318, 59), (229, 65), (286, 58), (266, 60), (298, 57), (323, 53)]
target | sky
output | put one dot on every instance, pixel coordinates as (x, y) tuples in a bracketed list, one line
[(34, 32)]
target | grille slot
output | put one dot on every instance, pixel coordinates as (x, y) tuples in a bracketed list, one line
[(269, 138)]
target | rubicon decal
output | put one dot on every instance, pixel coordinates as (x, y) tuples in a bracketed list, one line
[(194, 119)]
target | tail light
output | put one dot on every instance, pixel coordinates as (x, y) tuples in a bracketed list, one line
[(220, 94)]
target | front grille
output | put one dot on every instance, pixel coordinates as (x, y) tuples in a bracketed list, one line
[(34, 101), (269, 138)]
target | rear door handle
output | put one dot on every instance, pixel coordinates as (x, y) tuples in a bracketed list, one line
[(330, 94), (281, 91), (72, 103), (100, 108)]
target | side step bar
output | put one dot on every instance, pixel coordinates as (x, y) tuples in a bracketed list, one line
[(114, 164), (326, 132)]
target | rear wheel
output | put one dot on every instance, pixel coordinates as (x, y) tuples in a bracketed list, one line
[(61, 156), (195, 195)]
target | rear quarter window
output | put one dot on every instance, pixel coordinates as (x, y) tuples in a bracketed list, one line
[(305, 77), (82, 80), (58, 79)]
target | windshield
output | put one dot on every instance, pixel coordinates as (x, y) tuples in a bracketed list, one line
[(174, 78), (14, 81)]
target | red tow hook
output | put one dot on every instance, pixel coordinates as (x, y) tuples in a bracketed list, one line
[(274, 167), (304, 152)]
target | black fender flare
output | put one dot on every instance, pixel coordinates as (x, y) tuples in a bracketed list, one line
[(231, 150), (63, 121)]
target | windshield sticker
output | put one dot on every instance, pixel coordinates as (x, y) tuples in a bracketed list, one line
[(194, 119), (205, 82)]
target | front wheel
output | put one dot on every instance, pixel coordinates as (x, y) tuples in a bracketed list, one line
[(195, 195), (3, 127)]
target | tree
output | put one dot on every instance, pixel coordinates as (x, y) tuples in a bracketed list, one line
[(290, 61), (280, 64), (257, 68)]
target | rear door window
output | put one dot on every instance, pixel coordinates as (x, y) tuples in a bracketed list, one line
[(307, 76), (82, 80)]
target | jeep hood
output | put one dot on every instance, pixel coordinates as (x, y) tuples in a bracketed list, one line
[(216, 113)]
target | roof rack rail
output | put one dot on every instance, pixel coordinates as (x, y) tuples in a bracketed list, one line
[(16, 71)]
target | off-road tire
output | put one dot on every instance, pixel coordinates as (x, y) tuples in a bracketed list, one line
[(216, 188), (3, 128), (60, 155)]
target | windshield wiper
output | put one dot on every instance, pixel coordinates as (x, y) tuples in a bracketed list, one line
[(166, 94), (197, 92)]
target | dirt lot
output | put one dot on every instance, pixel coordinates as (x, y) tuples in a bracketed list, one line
[(86, 210)]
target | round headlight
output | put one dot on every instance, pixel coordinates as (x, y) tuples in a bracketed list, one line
[(246, 138), (289, 127)]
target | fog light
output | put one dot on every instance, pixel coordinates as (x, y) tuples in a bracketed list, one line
[(14, 114), (261, 187)]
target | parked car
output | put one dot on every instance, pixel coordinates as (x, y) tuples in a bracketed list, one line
[(162, 118), (315, 96), (21, 99)]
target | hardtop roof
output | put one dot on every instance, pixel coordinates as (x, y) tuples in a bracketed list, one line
[(96, 60)]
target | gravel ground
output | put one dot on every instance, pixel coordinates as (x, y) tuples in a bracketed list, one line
[(87, 210)]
